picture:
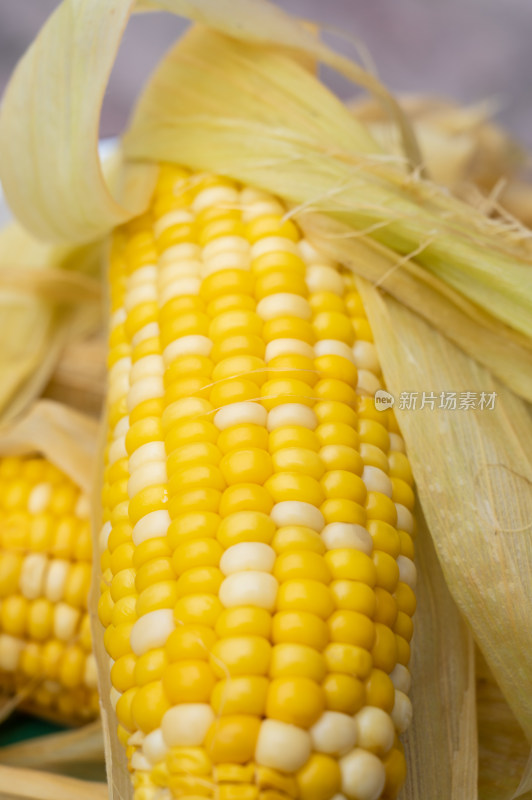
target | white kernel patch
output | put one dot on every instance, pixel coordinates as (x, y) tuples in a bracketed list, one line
[(39, 498), (292, 414), (239, 414), (152, 630)]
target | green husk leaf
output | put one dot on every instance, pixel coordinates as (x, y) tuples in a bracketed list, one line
[(474, 487)]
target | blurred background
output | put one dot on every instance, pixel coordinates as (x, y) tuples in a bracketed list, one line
[(466, 50)]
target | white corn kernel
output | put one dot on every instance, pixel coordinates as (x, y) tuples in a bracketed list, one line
[(334, 733), (152, 526), (363, 775), (225, 244), (240, 414), (367, 383), (141, 277), (188, 286), (145, 389), (138, 295), (282, 746), (121, 428), (261, 208), (397, 443), (405, 519), (154, 748), (346, 534), (192, 345), (292, 414), (117, 450), (333, 347), (32, 575), (179, 216), (118, 317), (377, 481), (365, 356), (223, 196), (10, 652), (90, 673), (284, 304), (407, 571), (296, 512), (186, 725), (147, 367), (56, 575), (114, 697), (283, 347), (223, 261), (401, 679), (250, 588), (401, 712), (152, 630), (175, 271), (104, 536), (375, 731), (66, 621), (310, 255), (323, 278), (39, 498), (180, 252), (145, 454), (149, 331), (150, 474), (138, 762), (247, 556), (273, 244), (82, 509), (250, 195)]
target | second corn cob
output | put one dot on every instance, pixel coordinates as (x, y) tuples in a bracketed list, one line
[(45, 568), (258, 573)]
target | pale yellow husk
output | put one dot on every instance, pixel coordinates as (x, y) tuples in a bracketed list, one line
[(47, 295)]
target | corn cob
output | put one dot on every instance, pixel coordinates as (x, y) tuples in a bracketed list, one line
[(45, 568), (257, 541)]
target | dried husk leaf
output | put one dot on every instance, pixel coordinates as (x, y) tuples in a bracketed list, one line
[(79, 377), (474, 478), (57, 751), (28, 784), (441, 744), (48, 295), (503, 750), (64, 436)]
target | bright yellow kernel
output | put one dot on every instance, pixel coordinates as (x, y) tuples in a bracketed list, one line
[(232, 739), (349, 564), (305, 595), (196, 553), (343, 484), (244, 621), (150, 666), (280, 261), (295, 486), (400, 467), (188, 682), (243, 437), (380, 691), (338, 510), (123, 672), (297, 660), (288, 328), (373, 432), (341, 457), (387, 570), (142, 432), (148, 706), (385, 537), (362, 329), (351, 627), (354, 595), (403, 651), (395, 768), (385, 607), (159, 595), (406, 598), (198, 609), (349, 659), (243, 694), (293, 436), (297, 537), (199, 580), (124, 709), (236, 345), (320, 778), (13, 615), (381, 507), (384, 650), (300, 627), (245, 497), (241, 655), (273, 282), (40, 619), (246, 466), (303, 564), (233, 390), (10, 568), (227, 281), (402, 493), (295, 700), (404, 626), (343, 693), (116, 640), (337, 433), (190, 643), (191, 526)]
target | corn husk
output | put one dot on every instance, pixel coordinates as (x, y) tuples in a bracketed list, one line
[(27, 784), (236, 98), (48, 295)]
